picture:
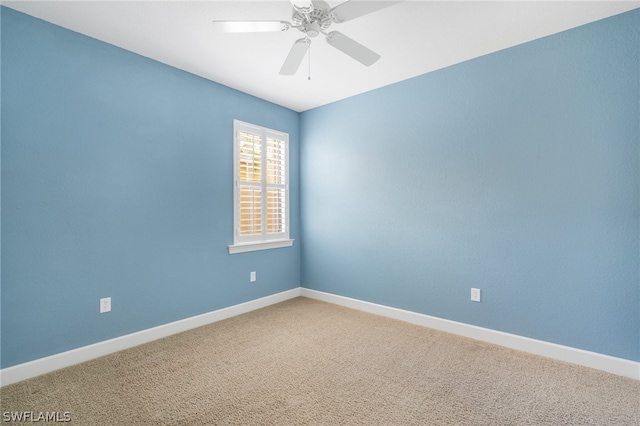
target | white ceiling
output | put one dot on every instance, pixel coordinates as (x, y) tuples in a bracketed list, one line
[(413, 37)]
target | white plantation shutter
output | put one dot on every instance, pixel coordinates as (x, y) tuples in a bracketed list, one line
[(276, 186), (261, 191), (249, 183), (250, 211)]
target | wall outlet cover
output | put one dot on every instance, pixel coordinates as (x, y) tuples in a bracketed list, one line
[(105, 305), (475, 294)]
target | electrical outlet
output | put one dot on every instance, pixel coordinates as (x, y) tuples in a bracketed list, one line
[(252, 276), (475, 294), (105, 305)]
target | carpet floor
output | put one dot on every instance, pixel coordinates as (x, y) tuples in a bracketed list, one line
[(306, 362)]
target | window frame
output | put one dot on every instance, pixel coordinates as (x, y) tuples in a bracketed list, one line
[(264, 240)]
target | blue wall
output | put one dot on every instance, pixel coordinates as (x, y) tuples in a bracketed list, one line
[(517, 173), (117, 181)]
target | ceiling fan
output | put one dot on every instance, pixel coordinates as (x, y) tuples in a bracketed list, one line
[(312, 18)]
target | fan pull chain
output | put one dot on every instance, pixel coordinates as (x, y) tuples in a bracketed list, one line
[(309, 78)]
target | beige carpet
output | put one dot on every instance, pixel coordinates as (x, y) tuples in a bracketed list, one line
[(308, 362)]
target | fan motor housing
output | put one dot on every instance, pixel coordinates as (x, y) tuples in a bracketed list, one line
[(314, 23)]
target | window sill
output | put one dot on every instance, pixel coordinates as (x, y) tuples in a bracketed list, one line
[(259, 245)]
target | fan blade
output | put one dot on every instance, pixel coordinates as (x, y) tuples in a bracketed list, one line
[(303, 6), (352, 48), (354, 9), (251, 26), (296, 54)]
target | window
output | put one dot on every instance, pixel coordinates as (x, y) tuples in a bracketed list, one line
[(261, 188)]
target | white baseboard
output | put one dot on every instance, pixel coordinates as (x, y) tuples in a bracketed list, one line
[(51, 363), (619, 366)]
